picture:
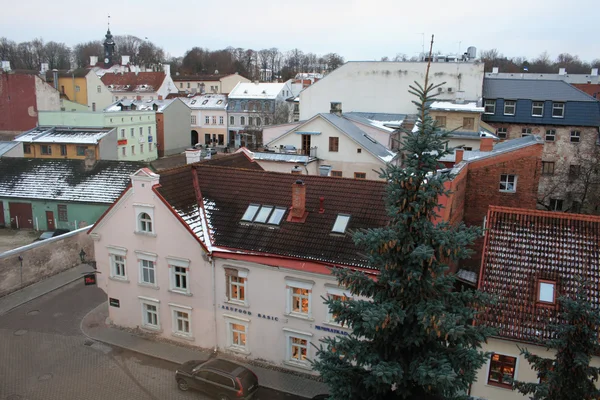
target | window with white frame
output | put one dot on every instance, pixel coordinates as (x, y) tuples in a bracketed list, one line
[(236, 281), (145, 223), (550, 135), (221, 120), (297, 347), (502, 133), (179, 274), (537, 109), (237, 333), (207, 120), (575, 136), (510, 107), (193, 120), (508, 183), (214, 119), (336, 293), (299, 296), (147, 266), (182, 320), (150, 312), (490, 106), (117, 262), (558, 110)]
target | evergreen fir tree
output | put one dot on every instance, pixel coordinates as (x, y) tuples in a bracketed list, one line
[(575, 340), (411, 334)]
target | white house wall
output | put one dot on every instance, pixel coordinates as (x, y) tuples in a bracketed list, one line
[(102, 98), (274, 131), (47, 98), (372, 86)]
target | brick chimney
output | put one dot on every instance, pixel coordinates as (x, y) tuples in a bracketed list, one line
[(298, 200), (458, 155), (486, 144), (336, 108), (297, 170)]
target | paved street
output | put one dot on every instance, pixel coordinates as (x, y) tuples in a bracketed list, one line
[(45, 356)]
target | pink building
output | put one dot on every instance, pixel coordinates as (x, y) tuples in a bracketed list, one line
[(233, 258)]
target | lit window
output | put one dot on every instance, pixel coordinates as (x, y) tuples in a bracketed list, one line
[(150, 315), (145, 223), (181, 322), (546, 291), (509, 107), (300, 301), (490, 106), (537, 109), (237, 288), (502, 370), (250, 212), (299, 349), (508, 183), (238, 335), (336, 294), (550, 135), (147, 272), (341, 223), (558, 110)]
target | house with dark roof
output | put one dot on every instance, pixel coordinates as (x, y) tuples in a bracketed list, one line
[(566, 118), (339, 145), (234, 259), (59, 194), (208, 83), (140, 85), (530, 259)]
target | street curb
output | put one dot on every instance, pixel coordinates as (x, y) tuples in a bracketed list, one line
[(38, 295)]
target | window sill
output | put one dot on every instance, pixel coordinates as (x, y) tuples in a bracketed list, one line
[(237, 303), (238, 350), (149, 234), (300, 316), (500, 386), (149, 285), (297, 364), (508, 191), (153, 329), (180, 292), (183, 336), (335, 325), (118, 279)]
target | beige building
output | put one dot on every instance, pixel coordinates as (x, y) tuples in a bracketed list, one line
[(208, 84), (208, 119)]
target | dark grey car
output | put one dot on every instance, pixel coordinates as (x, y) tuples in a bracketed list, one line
[(221, 379)]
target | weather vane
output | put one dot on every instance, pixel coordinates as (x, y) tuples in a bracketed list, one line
[(109, 22)]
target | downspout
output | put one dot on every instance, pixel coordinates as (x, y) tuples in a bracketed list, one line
[(214, 290), (74, 92)]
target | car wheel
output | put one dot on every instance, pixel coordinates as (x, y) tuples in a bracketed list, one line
[(182, 385)]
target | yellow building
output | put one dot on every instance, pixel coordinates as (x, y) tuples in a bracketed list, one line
[(69, 143), (81, 86)]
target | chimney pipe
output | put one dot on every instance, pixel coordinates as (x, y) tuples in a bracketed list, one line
[(336, 108), (90, 159), (495, 70), (193, 156), (486, 144), (55, 77), (298, 199), (297, 170), (562, 71), (458, 155)]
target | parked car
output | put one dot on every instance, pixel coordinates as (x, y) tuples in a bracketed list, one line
[(213, 150), (222, 379), (51, 234), (288, 149)]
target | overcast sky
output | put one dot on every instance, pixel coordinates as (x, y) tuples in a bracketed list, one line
[(355, 29)]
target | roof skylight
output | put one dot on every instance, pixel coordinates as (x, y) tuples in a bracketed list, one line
[(250, 212), (341, 223), (264, 214), (546, 291), (204, 102), (220, 101), (276, 216)]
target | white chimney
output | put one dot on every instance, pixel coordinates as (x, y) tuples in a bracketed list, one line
[(460, 97), (562, 71), (167, 69), (495, 70), (93, 61), (193, 156), (594, 72), (6, 65), (44, 68), (124, 60)]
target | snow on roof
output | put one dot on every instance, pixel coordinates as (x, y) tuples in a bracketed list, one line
[(5, 147), (450, 106), (207, 101), (64, 135), (251, 90), (140, 105), (384, 121), (282, 157)]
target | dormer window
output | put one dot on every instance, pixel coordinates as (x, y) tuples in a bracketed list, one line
[(341, 223), (546, 291), (269, 215), (145, 223)]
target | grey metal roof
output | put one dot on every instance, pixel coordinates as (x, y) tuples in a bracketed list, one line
[(376, 116), (359, 136), (7, 146), (282, 157), (503, 147), (531, 89)]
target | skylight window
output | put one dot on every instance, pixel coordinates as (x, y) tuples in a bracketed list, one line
[(204, 102), (276, 216), (546, 291), (263, 214), (193, 101), (341, 222), (250, 212), (220, 101)]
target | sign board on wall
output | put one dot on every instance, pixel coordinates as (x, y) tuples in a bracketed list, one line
[(89, 279), (114, 302), (122, 142)]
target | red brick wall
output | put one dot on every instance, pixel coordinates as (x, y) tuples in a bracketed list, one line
[(18, 107), (160, 133), (453, 205)]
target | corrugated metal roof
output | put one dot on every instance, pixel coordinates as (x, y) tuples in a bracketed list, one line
[(140, 105), (530, 89), (7, 146), (64, 135), (376, 120), (281, 157), (207, 101)]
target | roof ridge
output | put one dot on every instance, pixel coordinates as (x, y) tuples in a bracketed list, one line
[(544, 213)]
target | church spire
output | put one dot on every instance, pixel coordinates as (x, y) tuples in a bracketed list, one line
[(109, 47)]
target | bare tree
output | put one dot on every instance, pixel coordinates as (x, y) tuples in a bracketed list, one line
[(401, 57), (57, 55), (83, 51), (333, 61), (8, 51)]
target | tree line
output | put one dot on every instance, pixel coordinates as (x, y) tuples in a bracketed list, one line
[(541, 64)]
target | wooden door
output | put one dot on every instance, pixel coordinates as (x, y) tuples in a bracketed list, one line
[(21, 215), (50, 220), (306, 144)]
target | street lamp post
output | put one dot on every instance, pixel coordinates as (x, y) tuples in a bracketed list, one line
[(21, 261)]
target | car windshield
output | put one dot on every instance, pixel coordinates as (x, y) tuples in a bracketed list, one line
[(46, 235)]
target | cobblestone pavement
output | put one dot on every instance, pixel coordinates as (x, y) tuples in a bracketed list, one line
[(45, 356)]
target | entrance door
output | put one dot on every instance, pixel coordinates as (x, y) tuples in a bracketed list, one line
[(21, 215), (305, 144), (50, 220), (194, 138)]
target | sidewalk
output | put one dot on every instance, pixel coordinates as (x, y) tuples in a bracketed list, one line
[(94, 326), (31, 292)]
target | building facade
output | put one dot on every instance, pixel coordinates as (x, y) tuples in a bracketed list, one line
[(209, 120), (568, 120), (208, 84), (140, 85)]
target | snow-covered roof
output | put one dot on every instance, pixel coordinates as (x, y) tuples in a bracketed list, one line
[(5, 147), (206, 101), (252, 90), (140, 105), (64, 135), (450, 106), (65, 180), (384, 121), (282, 157)]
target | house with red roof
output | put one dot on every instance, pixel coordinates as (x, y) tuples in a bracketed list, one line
[(147, 86), (530, 259)]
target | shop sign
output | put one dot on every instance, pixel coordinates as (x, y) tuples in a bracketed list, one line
[(122, 142)]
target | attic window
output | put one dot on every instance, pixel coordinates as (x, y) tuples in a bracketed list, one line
[(220, 101), (193, 101), (264, 214), (204, 102), (546, 291), (341, 222), (250, 212)]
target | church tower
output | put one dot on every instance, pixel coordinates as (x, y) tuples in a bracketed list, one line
[(109, 48)]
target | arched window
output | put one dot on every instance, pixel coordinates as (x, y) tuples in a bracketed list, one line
[(257, 121), (242, 121), (145, 223)]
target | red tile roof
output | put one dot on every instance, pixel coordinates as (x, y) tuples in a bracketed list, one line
[(130, 81), (593, 89), (236, 160), (523, 246), (225, 194)]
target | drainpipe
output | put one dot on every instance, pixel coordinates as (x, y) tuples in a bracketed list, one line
[(74, 92), (214, 290)]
